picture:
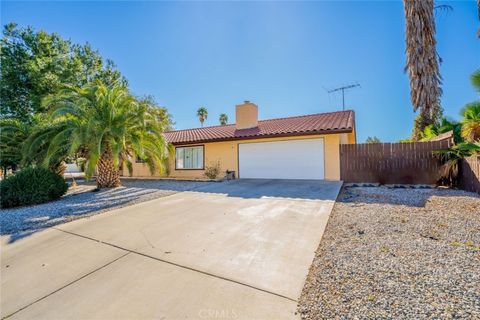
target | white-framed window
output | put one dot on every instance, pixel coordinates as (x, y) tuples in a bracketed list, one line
[(189, 157)]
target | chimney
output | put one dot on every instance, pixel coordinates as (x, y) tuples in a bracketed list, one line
[(246, 115)]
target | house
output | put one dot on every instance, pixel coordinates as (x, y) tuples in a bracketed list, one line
[(300, 147)]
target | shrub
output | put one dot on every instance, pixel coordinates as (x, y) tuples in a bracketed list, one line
[(31, 186), (450, 159), (212, 170)]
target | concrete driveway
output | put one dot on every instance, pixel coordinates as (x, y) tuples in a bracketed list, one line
[(232, 250)]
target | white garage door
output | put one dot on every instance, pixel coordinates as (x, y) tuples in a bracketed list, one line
[(294, 159)]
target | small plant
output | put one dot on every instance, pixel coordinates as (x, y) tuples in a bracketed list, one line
[(469, 243), (212, 171), (384, 249), (455, 244), (31, 186)]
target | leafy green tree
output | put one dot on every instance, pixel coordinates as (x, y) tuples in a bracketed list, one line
[(223, 119), (13, 133), (163, 116), (202, 115), (106, 124), (471, 114), (35, 64), (372, 140)]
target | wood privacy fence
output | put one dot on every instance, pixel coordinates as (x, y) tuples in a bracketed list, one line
[(392, 163), (469, 174)]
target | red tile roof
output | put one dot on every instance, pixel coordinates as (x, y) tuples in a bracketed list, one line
[(320, 123)]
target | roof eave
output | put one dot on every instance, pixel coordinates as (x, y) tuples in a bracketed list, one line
[(288, 134)]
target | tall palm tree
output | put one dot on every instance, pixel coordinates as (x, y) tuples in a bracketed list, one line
[(422, 63), (105, 124), (373, 139), (202, 115), (223, 119), (471, 114), (478, 10)]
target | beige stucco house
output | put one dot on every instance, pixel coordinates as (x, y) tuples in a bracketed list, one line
[(300, 147)]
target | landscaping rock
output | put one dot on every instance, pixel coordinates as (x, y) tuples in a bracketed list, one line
[(391, 253)]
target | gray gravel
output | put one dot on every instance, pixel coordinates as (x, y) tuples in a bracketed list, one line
[(82, 201), (397, 254)]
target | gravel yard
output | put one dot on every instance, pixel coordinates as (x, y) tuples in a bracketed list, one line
[(83, 201), (397, 254)]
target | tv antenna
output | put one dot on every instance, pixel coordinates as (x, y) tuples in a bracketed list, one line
[(343, 88)]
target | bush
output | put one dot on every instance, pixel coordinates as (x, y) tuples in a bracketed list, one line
[(212, 170), (31, 186)]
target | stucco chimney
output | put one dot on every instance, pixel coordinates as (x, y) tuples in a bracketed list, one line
[(246, 115)]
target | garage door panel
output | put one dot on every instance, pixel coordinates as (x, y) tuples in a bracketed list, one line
[(293, 159)]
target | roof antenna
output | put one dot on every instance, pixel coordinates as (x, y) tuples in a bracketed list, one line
[(343, 88)]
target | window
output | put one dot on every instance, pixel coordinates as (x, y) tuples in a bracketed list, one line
[(189, 157)]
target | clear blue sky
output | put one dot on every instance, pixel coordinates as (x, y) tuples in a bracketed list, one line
[(280, 55)]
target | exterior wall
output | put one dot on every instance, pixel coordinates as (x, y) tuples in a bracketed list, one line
[(139, 170), (352, 137), (226, 152)]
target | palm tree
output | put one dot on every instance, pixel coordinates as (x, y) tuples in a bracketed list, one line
[(451, 157), (478, 10), (36, 153), (471, 122), (105, 124), (422, 63), (202, 115), (223, 119), (373, 139), (471, 114), (445, 125)]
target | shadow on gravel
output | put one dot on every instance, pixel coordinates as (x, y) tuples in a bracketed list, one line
[(407, 196)]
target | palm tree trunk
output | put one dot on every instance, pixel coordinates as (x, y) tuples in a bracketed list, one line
[(108, 175), (422, 63), (478, 10), (59, 168)]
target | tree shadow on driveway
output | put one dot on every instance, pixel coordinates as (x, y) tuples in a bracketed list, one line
[(276, 188), (24, 221)]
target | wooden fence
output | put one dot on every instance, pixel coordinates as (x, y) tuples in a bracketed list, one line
[(392, 163), (469, 174)]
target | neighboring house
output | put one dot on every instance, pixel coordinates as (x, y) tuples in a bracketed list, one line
[(301, 147)]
